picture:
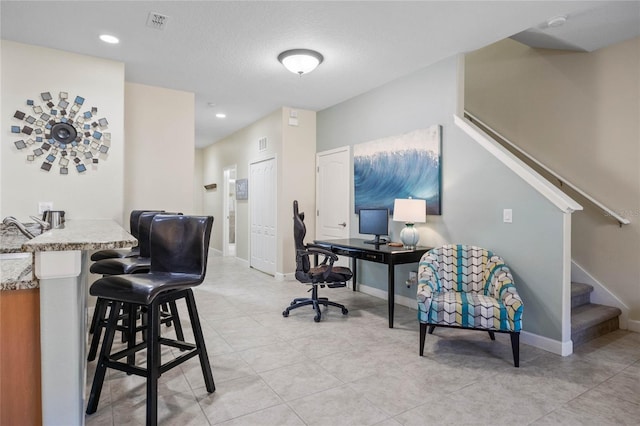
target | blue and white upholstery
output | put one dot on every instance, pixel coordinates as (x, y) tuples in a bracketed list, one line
[(468, 287)]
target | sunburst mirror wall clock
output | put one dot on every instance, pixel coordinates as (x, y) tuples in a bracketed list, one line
[(67, 133)]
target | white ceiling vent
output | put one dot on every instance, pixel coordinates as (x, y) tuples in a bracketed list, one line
[(262, 144), (157, 20)]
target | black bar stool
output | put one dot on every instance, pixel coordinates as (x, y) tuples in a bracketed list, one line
[(179, 249), (129, 265), (134, 217)]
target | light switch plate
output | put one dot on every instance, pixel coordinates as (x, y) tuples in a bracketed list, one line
[(507, 216), (44, 206)]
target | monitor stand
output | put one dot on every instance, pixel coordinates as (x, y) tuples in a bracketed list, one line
[(377, 241)]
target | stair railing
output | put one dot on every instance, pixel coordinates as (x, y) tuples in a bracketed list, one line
[(608, 212)]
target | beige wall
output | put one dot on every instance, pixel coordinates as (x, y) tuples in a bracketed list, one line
[(298, 181), (294, 148), (239, 149), (26, 72), (578, 113), (160, 153)]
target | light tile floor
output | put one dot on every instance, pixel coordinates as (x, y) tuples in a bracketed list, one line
[(354, 370)]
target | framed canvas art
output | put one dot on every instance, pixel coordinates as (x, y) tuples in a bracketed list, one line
[(403, 166)]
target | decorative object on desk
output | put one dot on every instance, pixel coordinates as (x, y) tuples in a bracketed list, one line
[(61, 131), (411, 212), (211, 186), (403, 166), (242, 189)]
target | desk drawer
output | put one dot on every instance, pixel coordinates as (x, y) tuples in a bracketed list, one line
[(359, 254), (372, 257)]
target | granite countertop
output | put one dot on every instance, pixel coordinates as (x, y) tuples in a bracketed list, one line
[(79, 234), (16, 262), (16, 266)]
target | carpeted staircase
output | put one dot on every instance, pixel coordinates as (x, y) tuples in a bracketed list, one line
[(589, 320)]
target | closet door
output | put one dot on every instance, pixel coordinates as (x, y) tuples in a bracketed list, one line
[(262, 202)]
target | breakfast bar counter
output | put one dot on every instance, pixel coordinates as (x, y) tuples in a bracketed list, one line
[(60, 265)]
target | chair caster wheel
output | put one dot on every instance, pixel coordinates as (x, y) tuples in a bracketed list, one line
[(285, 313), (316, 318), (345, 311)]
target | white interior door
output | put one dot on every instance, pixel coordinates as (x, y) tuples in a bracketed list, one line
[(332, 193), (263, 208), (229, 208)]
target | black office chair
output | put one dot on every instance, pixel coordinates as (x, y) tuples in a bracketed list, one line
[(324, 274), (179, 247)]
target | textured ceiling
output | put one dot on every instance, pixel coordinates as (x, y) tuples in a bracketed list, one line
[(225, 52)]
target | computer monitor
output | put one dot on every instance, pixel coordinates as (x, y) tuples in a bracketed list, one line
[(374, 222)]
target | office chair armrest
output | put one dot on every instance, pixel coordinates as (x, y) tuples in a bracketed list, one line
[(328, 255)]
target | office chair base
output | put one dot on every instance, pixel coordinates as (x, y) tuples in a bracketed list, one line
[(316, 302)]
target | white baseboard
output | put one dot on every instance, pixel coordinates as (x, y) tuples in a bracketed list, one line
[(243, 262), (540, 342), (554, 346), (382, 294), (633, 325), (290, 276), (601, 295)]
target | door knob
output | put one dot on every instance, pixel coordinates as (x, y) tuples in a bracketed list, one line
[(343, 224)]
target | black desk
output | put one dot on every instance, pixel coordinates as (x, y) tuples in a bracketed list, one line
[(356, 248)]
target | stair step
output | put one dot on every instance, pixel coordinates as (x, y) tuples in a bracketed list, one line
[(580, 294), (591, 320)]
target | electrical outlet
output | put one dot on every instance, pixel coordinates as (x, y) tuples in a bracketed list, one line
[(44, 206), (507, 216), (413, 279)]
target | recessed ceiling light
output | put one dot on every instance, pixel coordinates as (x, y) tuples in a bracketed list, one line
[(221, 115), (108, 38), (557, 21)]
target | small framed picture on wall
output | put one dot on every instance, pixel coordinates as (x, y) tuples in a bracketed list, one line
[(242, 189)]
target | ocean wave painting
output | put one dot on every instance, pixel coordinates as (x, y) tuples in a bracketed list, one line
[(401, 166)]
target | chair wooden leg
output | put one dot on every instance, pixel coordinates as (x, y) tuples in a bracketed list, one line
[(423, 333), (175, 319), (101, 369), (153, 363), (515, 348), (96, 327), (202, 349), (431, 328), (492, 335), (132, 322)]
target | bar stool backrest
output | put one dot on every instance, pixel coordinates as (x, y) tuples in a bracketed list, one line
[(180, 244), (144, 231)]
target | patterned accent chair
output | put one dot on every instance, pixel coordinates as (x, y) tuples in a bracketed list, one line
[(468, 287)]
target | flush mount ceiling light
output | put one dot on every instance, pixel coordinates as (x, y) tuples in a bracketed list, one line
[(300, 61), (108, 38)]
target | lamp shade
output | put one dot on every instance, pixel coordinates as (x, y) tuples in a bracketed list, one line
[(300, 61), (409, 210)]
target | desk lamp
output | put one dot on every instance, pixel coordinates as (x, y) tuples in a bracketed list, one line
[(409, 211)]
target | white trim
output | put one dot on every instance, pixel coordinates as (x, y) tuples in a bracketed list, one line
[(280, 276), (566, 279), (540, 342), (409, 302), (243, 262), (633, 325), (601, 295), (544, 343), (561, 200), (622, 220)]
